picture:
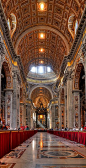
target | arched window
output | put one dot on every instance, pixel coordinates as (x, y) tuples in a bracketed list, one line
[(12, 24), (72, 25), (41, 69), (8, 22), (76, 26)]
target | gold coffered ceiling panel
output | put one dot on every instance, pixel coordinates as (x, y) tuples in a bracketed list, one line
[(54, 15), (54, 49)]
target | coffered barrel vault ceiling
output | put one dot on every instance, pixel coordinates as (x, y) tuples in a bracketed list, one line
[(55, 15), (53, 45)]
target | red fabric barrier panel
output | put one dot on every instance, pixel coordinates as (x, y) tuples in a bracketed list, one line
[(82, 138), (75, 136), (14, 139), (79, 137), (21, 137), (65, 135), (54, 132), (4, 143), (25, 135), (70, 135), (11, 139)]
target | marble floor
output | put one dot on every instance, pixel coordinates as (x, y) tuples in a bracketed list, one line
[(45, 150)]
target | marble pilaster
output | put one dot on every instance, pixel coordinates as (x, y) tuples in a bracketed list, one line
[(14, 106), (1, 55), (69, 103), (53, 115), (21, 114), (85, 88), (76, 108), (50, 118), (60, 117), (84, 52), (29, 116), (8, 107), (0, 87), (18, 106), (65, 101)]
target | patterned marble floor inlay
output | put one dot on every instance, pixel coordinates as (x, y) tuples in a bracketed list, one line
[(59, 166), (53, 143), (15, 153), (7, 165), (53, 146), (18, 151), (45, 150), (59, 154)]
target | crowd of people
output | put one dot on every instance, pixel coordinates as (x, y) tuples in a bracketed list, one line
[(68, 129), (6, 127)]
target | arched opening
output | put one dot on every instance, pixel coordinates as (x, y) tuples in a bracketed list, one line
[(82, 96), (3, 87), (5, 97), (42, 86), (41, 98), (79, 85), (5, 66), (41, 95)]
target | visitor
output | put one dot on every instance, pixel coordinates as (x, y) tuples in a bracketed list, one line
[(5, 128), (27, 128)]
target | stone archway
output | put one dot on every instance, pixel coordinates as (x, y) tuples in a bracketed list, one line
[(79, 98), (37, 86), (41, 96), (3, 86), (5, 66), (82, 96), (77, 75), (6, 94)]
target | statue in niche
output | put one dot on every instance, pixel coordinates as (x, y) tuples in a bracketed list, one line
[(76, 121), (8, 99), (76, 108)]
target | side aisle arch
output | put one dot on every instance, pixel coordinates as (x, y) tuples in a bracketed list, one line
[(79, 96), (6, 93), (78, 70), (8, 75)]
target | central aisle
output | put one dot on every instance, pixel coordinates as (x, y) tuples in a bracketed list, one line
[(45, 150)]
